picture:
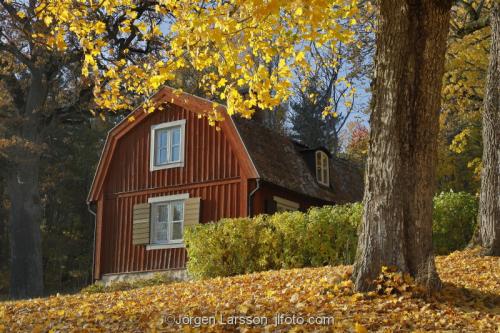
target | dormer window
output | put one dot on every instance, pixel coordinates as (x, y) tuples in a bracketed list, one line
[(167, 145), (322, 168)]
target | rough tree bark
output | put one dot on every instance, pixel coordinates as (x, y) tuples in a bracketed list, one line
[(22, 189), (489, 201), (4, 251), (400, 177)]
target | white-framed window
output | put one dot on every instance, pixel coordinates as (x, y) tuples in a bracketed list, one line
[(167, 145), (322, 168), (167, 220), (283, 205)]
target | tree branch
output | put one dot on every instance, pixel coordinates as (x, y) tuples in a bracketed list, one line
[(14, 88), (473, 26), (17, 54)]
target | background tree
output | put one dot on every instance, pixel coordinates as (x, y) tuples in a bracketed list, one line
[(400, 175), (4, 250), (316, 116), (275, 118), (40, 72), (489, 203), (67, 226), (460, 144), (326, 96), (358, 139)]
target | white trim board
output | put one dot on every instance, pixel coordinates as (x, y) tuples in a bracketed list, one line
[(182, 196)]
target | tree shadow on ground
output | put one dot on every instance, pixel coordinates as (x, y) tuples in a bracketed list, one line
[(468, 299)]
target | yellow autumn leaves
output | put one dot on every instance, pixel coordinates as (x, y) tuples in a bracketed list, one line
[(468, 303), (239, 45), (242, 43)]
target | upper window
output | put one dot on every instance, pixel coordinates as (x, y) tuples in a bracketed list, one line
[(322, 168), (167, 219), (167, 145)]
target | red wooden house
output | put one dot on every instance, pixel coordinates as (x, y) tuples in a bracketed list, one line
[(170, 169)]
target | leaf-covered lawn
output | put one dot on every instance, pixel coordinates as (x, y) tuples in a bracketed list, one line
[(470, 301)]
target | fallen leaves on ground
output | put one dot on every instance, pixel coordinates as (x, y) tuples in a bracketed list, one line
[(468, 302)]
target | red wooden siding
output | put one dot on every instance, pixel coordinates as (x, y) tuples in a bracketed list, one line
[(211, 171), (208, 156)]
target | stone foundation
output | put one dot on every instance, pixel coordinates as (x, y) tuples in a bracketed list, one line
[(176, 275)]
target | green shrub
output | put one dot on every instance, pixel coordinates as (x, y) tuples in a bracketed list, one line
[(333, 234), (454, 220), (229, 247), (322, 236)]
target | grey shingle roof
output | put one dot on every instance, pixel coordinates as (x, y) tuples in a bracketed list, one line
[(279, 160)]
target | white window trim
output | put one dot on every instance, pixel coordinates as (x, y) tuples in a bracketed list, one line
[(323, 155), (286, 204), (182, 196), (164, 246), (152, 149), (167, 198)]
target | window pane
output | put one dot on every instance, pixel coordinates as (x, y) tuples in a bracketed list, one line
[(178, 211), (163, 213), (161, 146), (161, 156), (318, 167), (161, 138), (176, 136), (161, 236), (176, 153), (176, 230)]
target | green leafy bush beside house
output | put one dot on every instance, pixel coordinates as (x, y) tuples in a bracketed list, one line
[(454, 220), (322, 236)]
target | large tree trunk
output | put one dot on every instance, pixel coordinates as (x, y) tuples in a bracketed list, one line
[(489, 204), (26, 273), (4, 250), (25, 240), (400, 176)]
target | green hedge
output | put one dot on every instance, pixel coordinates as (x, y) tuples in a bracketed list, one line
[(454, 220), (322, 236)]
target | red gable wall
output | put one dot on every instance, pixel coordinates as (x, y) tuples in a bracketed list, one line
[(211, 171)]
